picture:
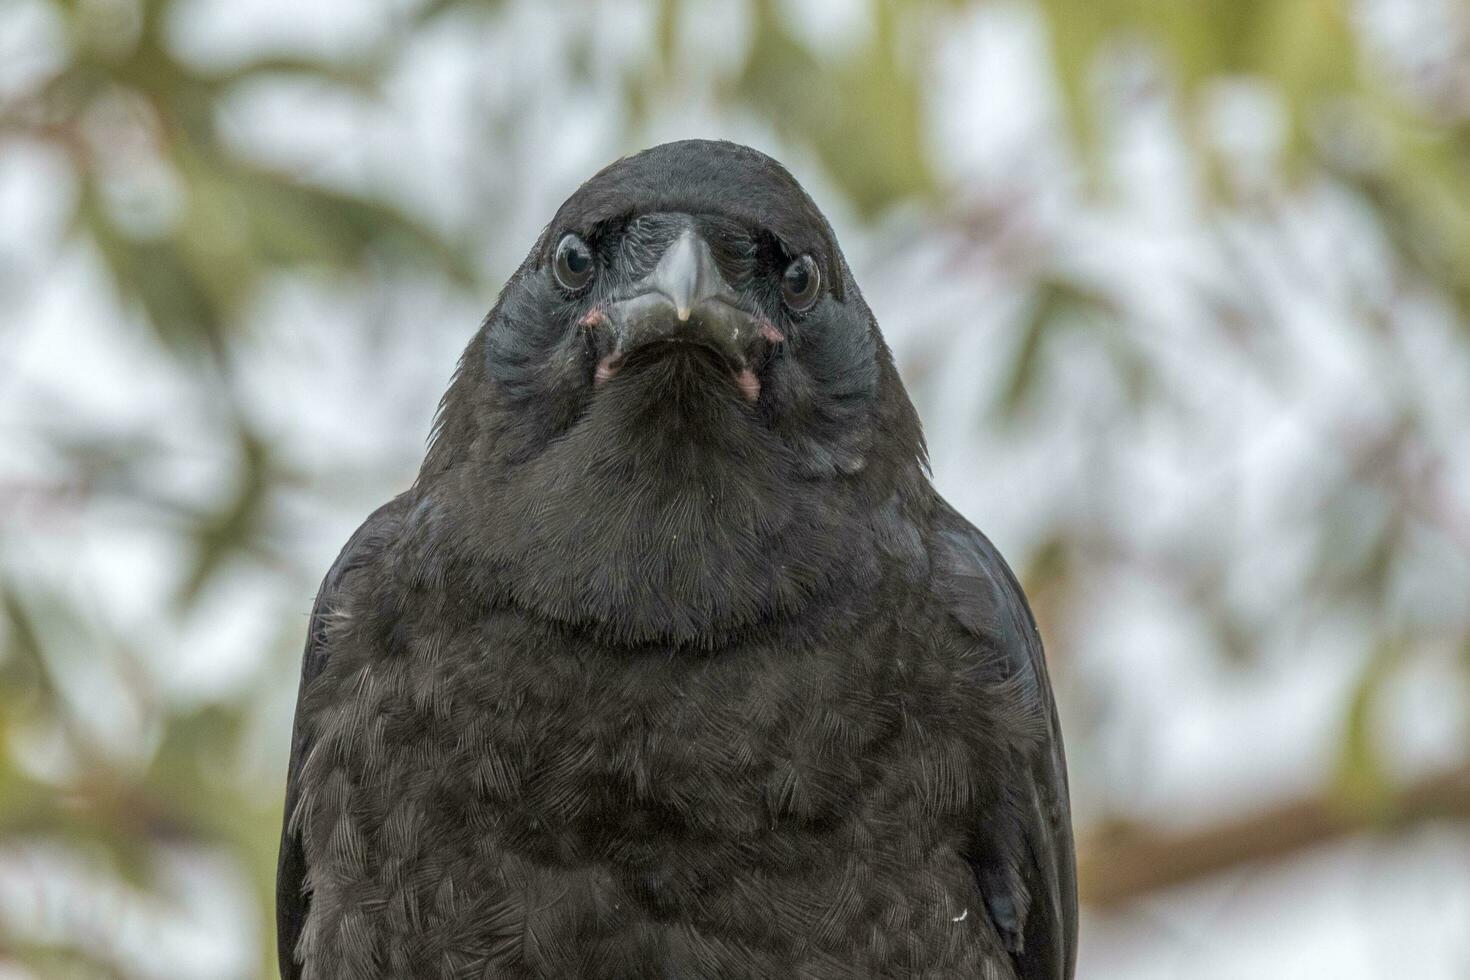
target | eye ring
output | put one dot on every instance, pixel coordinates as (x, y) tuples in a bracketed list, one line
[(801, 283), (574, 265)]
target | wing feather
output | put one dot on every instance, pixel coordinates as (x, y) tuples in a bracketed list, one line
[(1023, 857), (293, 899)]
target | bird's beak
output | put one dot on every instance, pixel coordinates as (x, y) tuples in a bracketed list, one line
[(684, 300)]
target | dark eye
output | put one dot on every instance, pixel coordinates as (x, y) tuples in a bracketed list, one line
[(800, 283), (574, 264)]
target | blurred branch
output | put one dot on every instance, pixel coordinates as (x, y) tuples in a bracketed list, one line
[(1126, 862)]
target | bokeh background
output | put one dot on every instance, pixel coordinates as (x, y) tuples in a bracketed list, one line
[(1181, 288)]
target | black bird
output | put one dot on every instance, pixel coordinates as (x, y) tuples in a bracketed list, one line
[(672, 663)]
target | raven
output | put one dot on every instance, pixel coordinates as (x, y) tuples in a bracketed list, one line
[(672, 663)]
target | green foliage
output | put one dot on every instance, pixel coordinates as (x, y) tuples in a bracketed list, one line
[(216, 227), (1304, 48), (1362, 777), (862, 114)]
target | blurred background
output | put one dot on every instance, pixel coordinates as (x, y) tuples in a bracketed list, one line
[(1181, 289)]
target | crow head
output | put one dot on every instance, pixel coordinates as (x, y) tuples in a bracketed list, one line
[(681, 389), (668, 296), (692, 284)]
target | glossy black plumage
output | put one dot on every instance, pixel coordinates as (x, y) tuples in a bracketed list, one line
[(672, 663)]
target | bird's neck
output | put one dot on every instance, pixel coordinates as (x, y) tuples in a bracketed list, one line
[(667, 514), (675, 538)]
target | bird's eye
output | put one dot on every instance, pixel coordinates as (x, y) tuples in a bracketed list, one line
[(800, 283), (574, 264)]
